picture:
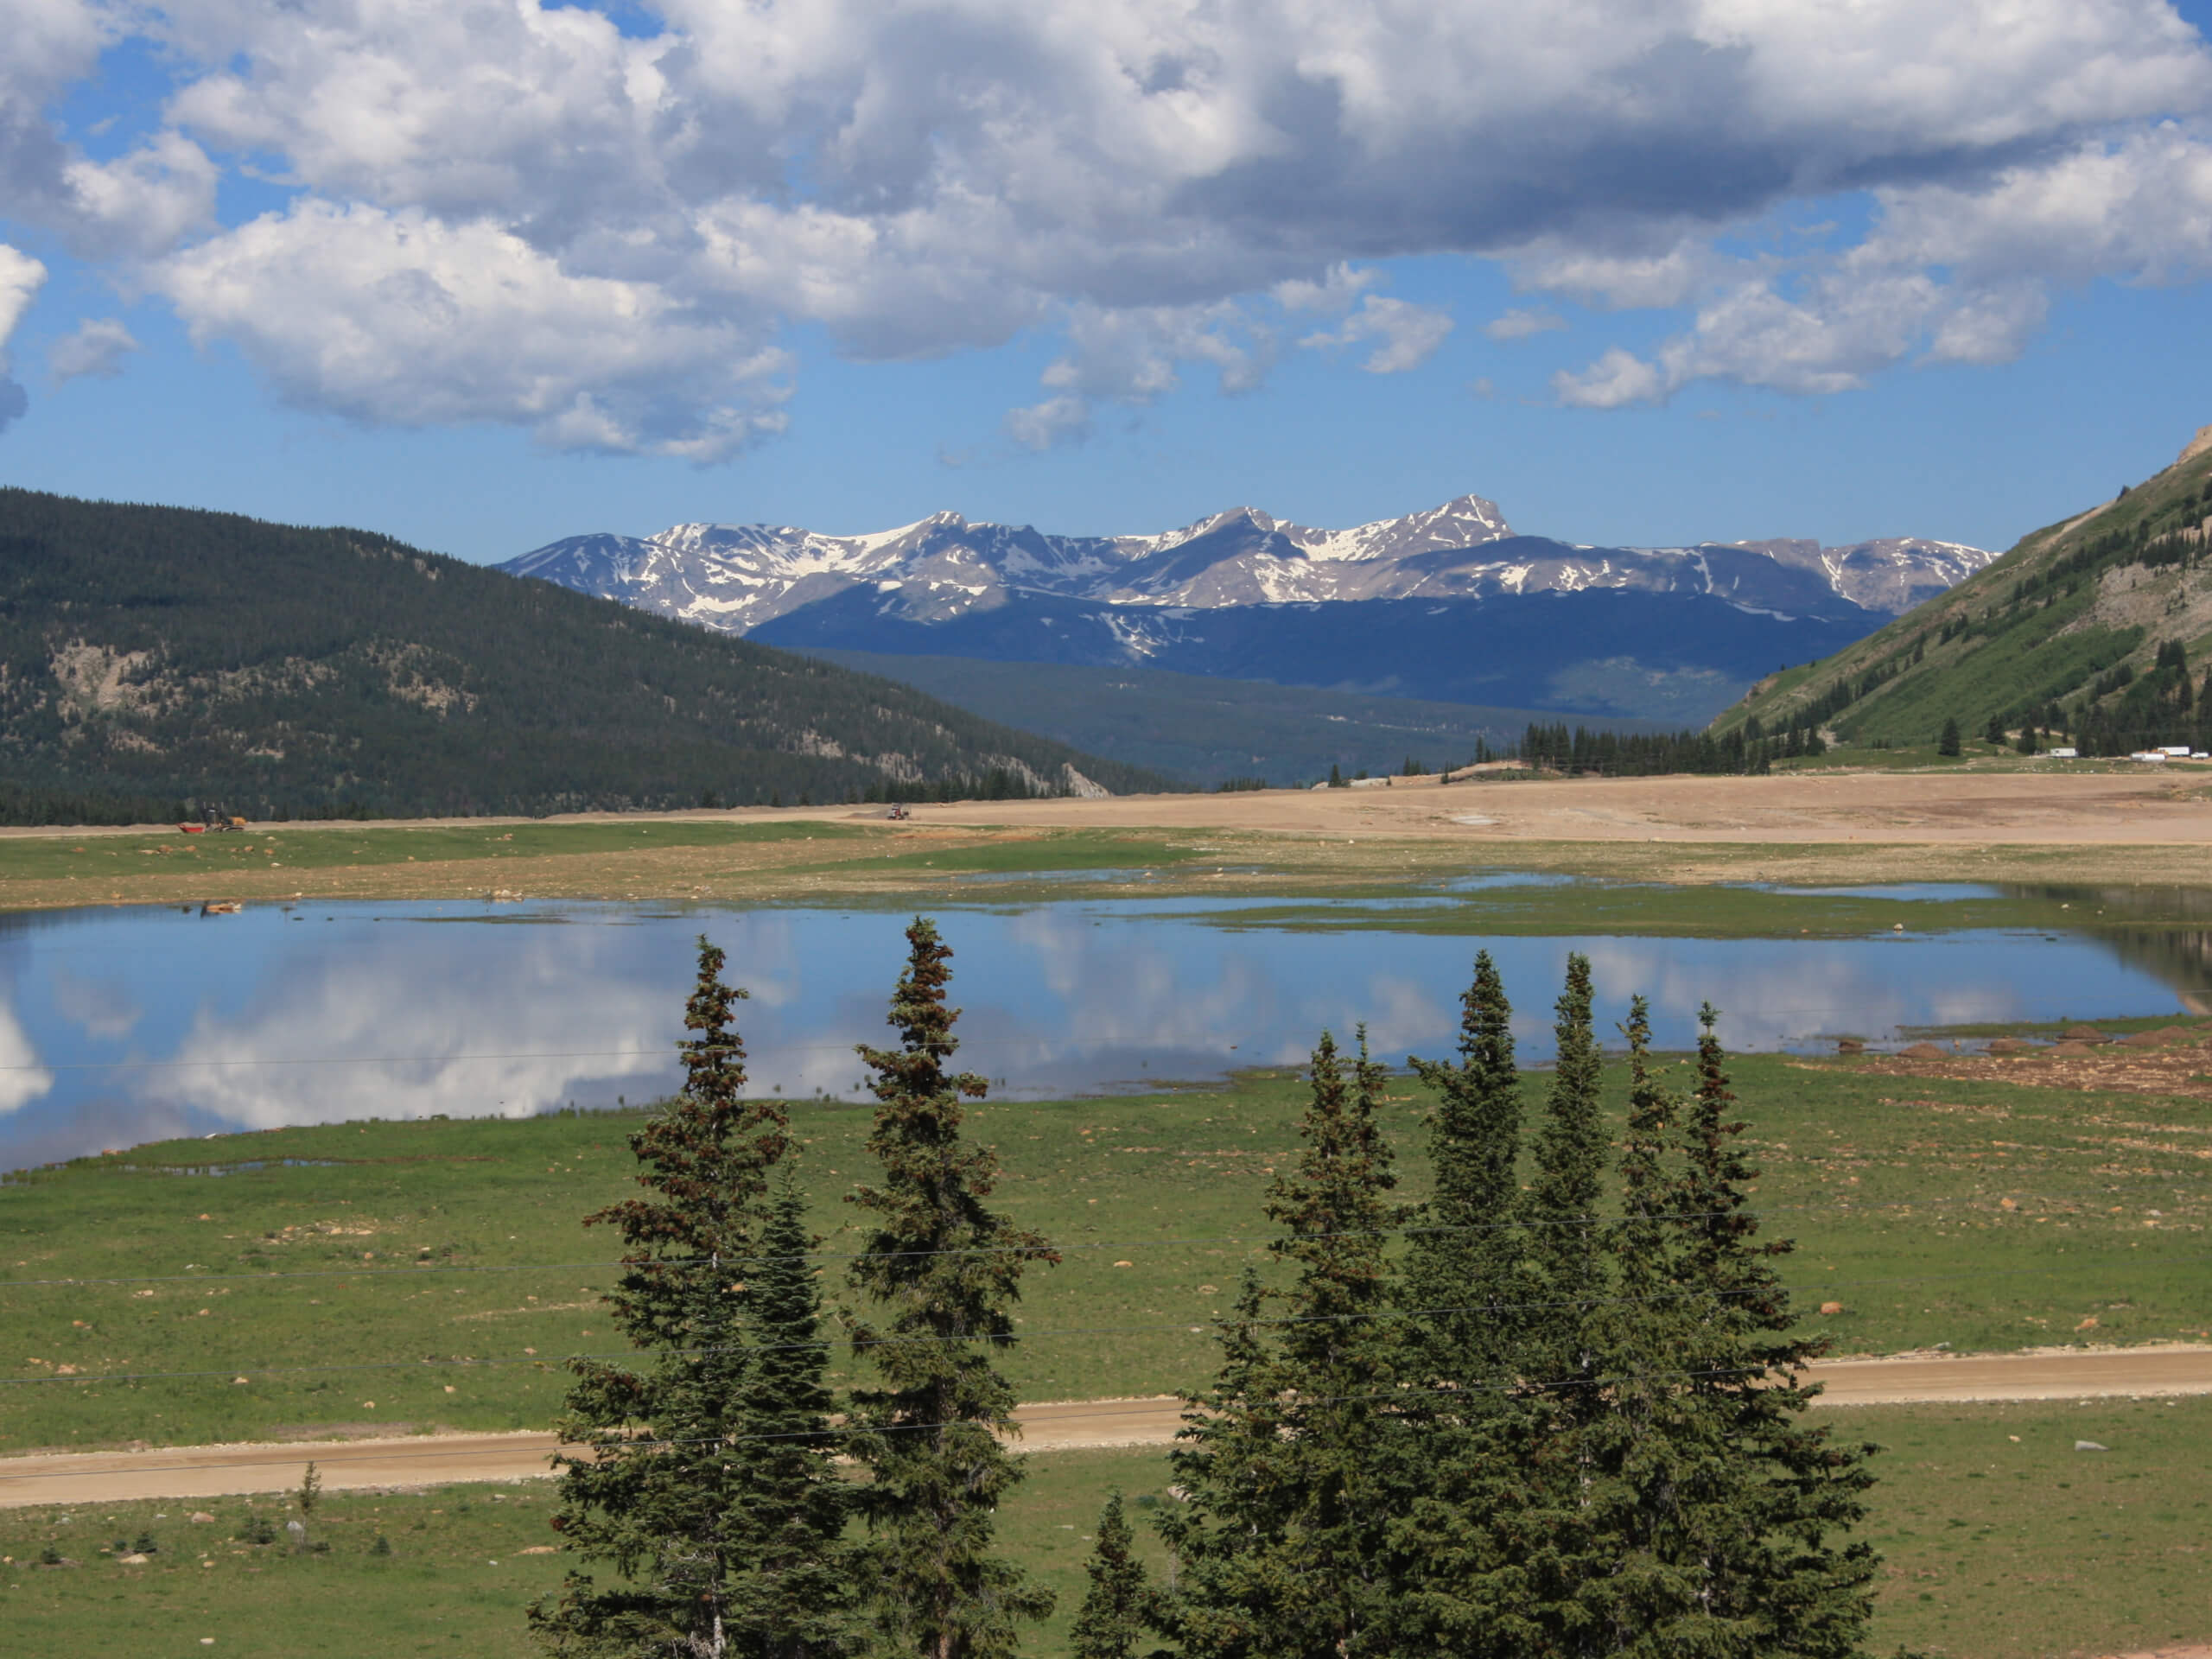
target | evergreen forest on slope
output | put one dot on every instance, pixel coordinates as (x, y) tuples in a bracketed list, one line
[(2083, 634), (156, 660), (1209, 729)]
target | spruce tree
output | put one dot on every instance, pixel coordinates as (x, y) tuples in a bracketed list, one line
[(1777, 1568), (1290, 1463), (654, 1492), (1570, 1153), (1121, 1603), (1706, 1506), (1469, 1516), (1462, 1268), (794, 1597), (1631, 1580), (943, 1273), (1949, 742)]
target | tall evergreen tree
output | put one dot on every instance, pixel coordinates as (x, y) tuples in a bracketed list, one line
[(943, 1273), (654, 1492), (1707, 1509), (1778, 1569), (793, 1598), (1630, 1573), (1460, 1531), (1464, 1266), (1290, 1463), (1121, 1603), (1570, 1154)]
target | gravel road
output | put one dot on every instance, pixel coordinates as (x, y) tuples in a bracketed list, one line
[(218, 1471)]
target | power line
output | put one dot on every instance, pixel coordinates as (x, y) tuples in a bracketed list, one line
[(421, 1269), (234, 1371)]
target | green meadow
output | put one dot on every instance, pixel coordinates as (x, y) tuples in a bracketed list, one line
[(390, 1277), (325, 846), (1999, 1542)]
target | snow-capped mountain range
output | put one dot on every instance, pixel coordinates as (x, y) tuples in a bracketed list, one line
[(735, 578)]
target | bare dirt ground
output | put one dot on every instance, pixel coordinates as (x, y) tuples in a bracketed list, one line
[(2174, 1062), (2136, 807), (1920, 808), (2103, 827), (1061, 1425)]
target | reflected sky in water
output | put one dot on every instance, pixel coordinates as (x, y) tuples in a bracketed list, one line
[(121, 1026)]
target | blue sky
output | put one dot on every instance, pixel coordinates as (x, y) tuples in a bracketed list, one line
[(485, 275)]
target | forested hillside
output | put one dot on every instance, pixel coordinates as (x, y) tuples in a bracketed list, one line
[(1209, 730), (154, 657), (2085, 633)]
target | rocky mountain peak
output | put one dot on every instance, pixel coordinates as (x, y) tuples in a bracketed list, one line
[(737, 577)]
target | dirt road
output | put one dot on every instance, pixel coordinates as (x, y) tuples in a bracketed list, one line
[(217, 1471)]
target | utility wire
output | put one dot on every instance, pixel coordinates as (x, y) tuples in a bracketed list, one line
[(421, 1269), (1183, 1325)]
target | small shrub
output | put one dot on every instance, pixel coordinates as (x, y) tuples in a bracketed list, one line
[(146, 1546), (50, 1556), (382, 1547)]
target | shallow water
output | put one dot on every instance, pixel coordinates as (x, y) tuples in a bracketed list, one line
[(120, 1026)]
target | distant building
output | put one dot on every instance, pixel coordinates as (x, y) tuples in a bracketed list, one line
[(2063, 754)]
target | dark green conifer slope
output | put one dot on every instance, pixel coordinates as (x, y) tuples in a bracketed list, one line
[(153, 656), (2087, 628)]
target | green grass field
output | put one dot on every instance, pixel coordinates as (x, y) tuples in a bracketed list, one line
[(323, 1266), (1999, 1540), (335, 846), (1651, 910)]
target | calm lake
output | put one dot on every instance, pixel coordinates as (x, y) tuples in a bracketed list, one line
[(121, 1026)]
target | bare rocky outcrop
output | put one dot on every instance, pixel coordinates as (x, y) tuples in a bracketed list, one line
[(98, 679)]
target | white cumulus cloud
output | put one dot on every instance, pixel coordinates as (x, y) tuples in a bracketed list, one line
[(95, 348), (21, 278), (1404, 335), (1615, 378), (522, 213), (402, 318), (1523, 323)]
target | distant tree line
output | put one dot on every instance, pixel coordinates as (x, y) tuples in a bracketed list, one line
[(1568, 1420), (1643, 754)]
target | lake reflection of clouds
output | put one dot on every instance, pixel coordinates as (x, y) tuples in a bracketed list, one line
[(22, 1079), (120, 1026)]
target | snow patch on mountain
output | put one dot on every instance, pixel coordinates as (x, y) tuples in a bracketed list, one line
[(736, 577)]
